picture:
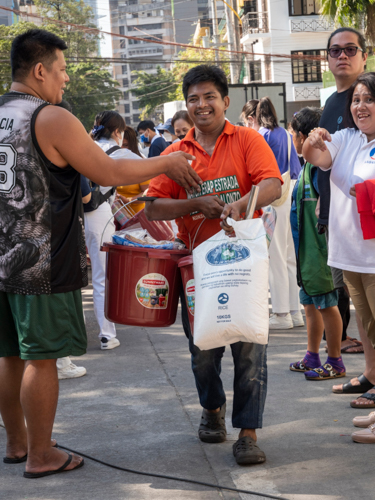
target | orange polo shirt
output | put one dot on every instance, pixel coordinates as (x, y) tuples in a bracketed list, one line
[(240, 159)]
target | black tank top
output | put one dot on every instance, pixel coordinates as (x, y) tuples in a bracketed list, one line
[(42, 244)]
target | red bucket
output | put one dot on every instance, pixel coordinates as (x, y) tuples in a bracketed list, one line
[(142, 285), (187, 275), (160, 230)]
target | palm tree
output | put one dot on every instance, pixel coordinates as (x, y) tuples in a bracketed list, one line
[(355, 13)]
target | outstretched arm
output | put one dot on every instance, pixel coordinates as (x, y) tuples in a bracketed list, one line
[(315, 151), (64, 141)]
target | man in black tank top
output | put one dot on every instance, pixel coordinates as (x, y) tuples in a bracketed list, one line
[(43, 149)]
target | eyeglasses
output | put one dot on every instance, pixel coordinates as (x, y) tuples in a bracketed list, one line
[(350, 51)]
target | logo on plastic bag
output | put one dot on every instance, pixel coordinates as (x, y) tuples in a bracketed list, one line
[(223, 298), (227, 253)]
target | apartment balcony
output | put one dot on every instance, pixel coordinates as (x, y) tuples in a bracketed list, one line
[(310, 24), (255, 25), (306, 93)]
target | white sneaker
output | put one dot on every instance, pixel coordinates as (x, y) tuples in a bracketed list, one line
[(109, 343), (297, 319), (281, 322), (71, 371)]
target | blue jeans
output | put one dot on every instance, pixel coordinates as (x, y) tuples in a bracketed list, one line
[(249, 386)]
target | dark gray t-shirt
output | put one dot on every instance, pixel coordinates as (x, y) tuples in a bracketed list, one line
[(332, 119)]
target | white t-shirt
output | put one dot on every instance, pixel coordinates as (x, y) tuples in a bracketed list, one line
[(106, 144), (353, 161)]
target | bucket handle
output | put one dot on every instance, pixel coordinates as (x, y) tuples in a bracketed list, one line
[(105, 227)]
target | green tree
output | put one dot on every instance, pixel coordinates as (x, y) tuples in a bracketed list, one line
[(80, 43), (355, 13), (91, 88), (193, 57), (153, 90)]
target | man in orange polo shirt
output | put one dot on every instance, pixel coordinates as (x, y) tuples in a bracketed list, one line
[(229, 160)]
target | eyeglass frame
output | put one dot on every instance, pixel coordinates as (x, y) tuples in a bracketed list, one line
[(343, 49)]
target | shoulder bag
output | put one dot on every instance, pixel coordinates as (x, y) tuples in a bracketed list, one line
[(97, 197)]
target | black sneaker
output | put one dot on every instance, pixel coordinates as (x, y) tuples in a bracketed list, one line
[(212, 427), (247, 452)]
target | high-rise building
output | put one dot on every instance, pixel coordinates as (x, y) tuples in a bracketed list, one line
[(8, 18), (102, 18), (153, 22)]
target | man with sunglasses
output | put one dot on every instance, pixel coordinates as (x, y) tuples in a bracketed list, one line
[(346, 54)]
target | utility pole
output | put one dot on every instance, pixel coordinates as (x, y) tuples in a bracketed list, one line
[(233, 66), (215, 30), (238, 56)]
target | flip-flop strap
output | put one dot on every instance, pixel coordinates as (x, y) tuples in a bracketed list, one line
[(65, 465), (355, 346), (368, 395)]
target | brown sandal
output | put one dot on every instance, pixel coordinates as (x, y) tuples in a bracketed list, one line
[(346, 349)]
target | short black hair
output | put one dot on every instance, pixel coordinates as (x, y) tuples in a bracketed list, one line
[(306, 119), (145, 124), (206, 73), (366, 79), (33, 47), (361, 38)]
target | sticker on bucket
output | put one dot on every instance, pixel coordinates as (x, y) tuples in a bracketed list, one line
[(152, 291), (190, 296)]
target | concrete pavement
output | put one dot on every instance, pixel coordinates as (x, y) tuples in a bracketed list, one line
[(137, 407)]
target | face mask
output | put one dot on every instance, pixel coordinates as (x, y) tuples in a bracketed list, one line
[(167, 136), (182, 136), (144, 138)]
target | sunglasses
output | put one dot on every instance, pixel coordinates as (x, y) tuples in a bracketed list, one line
[(350, 51)]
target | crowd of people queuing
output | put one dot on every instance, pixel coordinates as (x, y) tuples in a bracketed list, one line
[(319, 177)]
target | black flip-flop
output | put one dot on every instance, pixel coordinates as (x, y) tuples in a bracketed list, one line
[(8, 460), (363, 386), (366, 395), (63, 468), (19, 460)]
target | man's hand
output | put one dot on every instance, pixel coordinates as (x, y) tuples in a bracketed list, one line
[(181, 172), (232, 210), (317, 137), (211, 206), (352, 192)]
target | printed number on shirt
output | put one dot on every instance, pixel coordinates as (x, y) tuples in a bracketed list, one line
[(8, 161)]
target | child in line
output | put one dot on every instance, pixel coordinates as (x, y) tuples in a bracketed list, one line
[(317, 294)]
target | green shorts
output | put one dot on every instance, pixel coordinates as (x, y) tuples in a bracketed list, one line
[(42, 326)]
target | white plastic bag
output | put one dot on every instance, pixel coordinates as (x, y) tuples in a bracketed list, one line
[(231, 287)]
